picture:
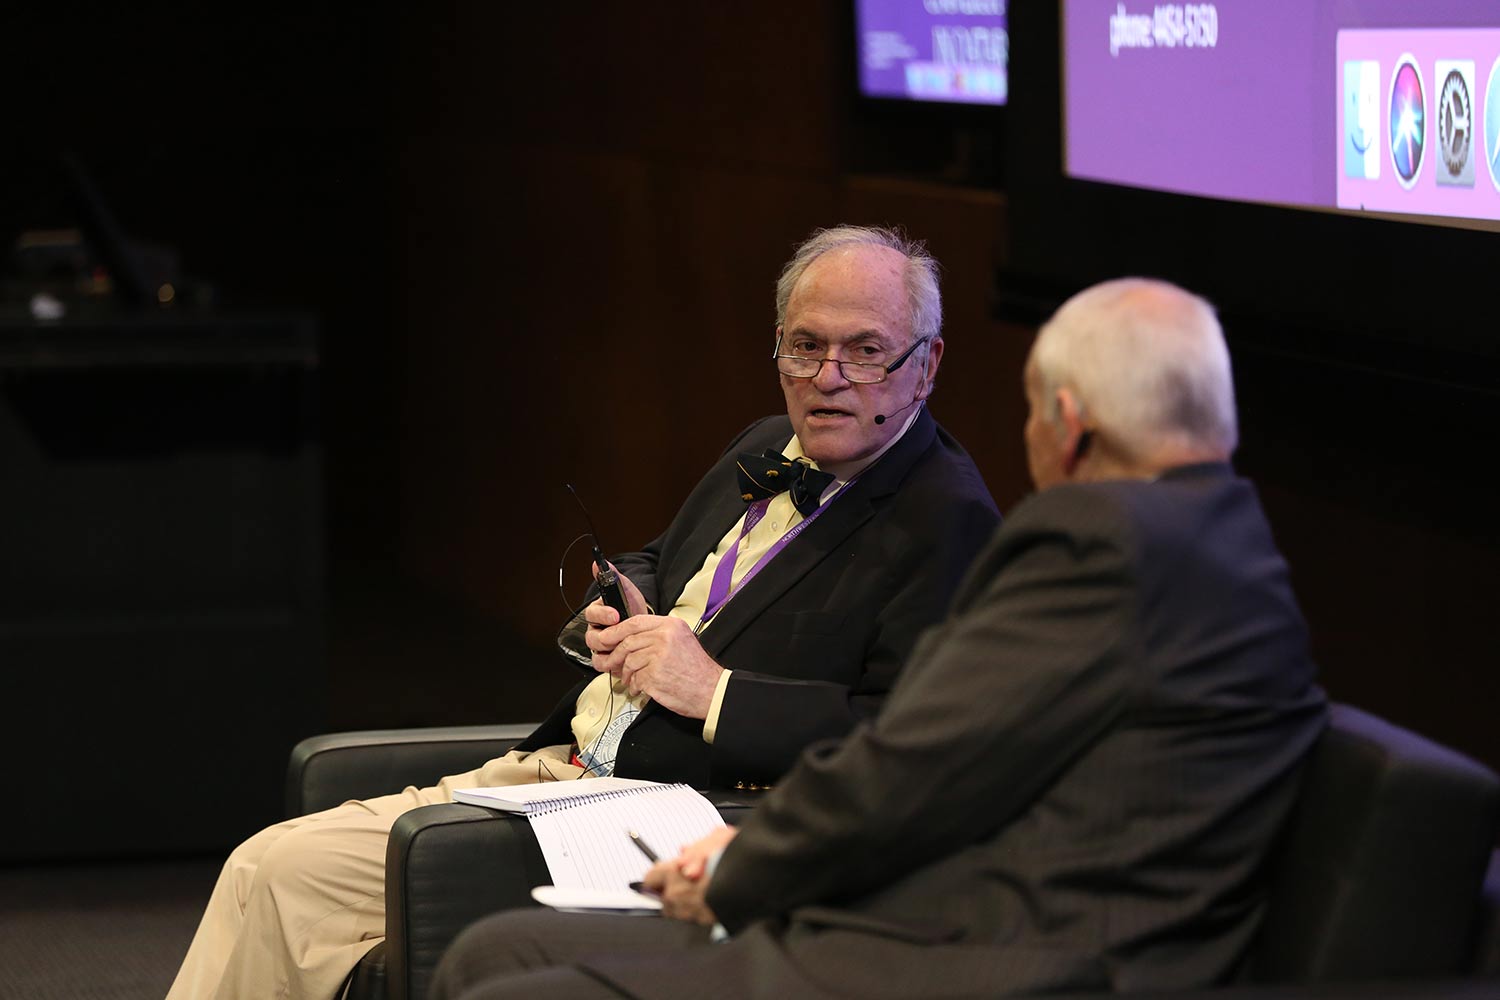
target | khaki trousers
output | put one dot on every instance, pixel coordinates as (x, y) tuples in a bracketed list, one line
[(297, 905)]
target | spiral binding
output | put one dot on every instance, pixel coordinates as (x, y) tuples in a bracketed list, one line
[(588, 798)]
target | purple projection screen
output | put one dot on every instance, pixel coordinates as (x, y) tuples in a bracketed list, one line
[(953, 51), (1385, 106)]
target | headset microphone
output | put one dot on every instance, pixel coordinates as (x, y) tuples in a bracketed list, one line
[(881, 418)]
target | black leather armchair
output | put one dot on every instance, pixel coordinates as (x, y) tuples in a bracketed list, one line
[(446, 865), (1379, 888), (1380, 871), (1377, 879)]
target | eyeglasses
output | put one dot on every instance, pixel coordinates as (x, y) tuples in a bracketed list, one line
[(860, 372)]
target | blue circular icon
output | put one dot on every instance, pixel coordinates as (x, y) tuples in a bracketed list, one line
[(1408, 121)]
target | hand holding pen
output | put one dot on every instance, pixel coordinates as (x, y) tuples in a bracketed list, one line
[(682, 883)]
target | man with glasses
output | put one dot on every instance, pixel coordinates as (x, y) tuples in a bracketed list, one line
[(774, 612)]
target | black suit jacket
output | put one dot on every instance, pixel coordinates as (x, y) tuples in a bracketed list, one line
[(817, 637), (1074, 784)]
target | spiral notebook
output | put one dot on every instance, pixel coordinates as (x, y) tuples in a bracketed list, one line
[(584, 826)]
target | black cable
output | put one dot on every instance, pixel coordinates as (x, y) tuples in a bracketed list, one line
[(572, 611), (609, 718)]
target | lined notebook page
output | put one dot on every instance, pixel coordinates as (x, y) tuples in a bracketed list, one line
[(586, 840), (530, 797)]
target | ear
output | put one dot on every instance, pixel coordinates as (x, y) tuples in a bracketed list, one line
[(1075, 431), (929, 375)]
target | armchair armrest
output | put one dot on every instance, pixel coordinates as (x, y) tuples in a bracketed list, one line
[(449, 865), (328, 769)]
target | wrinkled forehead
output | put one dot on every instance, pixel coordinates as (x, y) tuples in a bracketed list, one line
[(859, 285)]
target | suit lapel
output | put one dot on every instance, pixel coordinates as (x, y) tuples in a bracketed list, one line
[(849, 510)]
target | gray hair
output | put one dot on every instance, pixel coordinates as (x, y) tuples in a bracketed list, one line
[(920, 275), (1147, 362)]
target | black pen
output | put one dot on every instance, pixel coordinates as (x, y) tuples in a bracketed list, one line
[(635, 839)]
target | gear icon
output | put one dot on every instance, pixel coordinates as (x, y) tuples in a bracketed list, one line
[(1455, 124)]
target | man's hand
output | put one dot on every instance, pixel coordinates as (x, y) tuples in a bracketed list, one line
[(600, 616), (658, 656), (680, 882), (694, 858)]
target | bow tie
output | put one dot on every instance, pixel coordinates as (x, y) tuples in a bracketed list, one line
[(763, 476)]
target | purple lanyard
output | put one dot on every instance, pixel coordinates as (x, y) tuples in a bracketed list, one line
[(719, 592)]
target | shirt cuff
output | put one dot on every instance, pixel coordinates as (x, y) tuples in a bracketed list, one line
[(711, 722)]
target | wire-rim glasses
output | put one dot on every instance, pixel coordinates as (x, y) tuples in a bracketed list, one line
[(859, 372)]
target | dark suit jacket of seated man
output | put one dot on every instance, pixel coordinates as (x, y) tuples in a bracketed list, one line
[(816, 639), (802, 648), (1077, 778)]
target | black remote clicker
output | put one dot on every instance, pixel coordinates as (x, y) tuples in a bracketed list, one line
[(609, 586)]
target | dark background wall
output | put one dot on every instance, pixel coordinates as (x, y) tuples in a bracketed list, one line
[(540, 243)]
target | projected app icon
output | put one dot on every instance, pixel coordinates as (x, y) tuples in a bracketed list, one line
[(1362, 119), (1453, 121), (1492, 124), (1408, 121)]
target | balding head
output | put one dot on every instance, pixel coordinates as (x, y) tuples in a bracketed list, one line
[(919, 271), (1145, 365)]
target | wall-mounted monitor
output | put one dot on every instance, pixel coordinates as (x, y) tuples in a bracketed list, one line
[(944, 51), (1325, 171), (1382, 106)]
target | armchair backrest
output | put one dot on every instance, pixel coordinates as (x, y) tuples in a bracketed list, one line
[(1379, 871), (326, 770)]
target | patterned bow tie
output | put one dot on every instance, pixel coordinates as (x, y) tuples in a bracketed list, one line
[(763, 476)]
